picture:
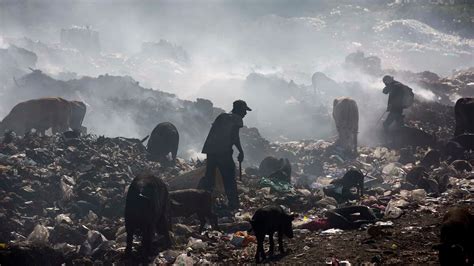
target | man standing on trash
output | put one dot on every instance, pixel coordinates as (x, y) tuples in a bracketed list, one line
[(223, 135), (400, 96)]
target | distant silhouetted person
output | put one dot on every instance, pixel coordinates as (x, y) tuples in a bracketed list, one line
[(224, 134), (400, 97)]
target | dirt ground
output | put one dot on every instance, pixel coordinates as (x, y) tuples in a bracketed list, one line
[(409, 241)]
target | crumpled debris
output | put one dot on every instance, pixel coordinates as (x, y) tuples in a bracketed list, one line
[(95, 241), (39, 235), (196, 244), (69, 194), (277, 186), (332, 231), (242, 239)]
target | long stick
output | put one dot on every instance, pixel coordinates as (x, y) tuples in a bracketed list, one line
[(240, 171), (378, 121)]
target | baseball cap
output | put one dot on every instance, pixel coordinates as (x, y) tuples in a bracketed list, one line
[(240, 104)]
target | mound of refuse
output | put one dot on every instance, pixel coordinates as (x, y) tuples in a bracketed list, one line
[(63, 199)]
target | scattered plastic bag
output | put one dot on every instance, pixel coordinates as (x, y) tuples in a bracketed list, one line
[(196, 244), (316, 224), (242, 239), (39, 235), (184, 260), (63, 218), (275, 185), (418, 195), (94, 242), (332, 231), (393, 169), (392, 212)]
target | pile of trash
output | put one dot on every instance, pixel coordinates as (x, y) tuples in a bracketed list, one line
[(432, 117), (63, 198), (69, 194)]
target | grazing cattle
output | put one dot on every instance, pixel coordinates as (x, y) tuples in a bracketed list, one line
[(267, 221), (163, 140), (464, 115), (147, 211), (457, 236), (346, 115), (40, 114)]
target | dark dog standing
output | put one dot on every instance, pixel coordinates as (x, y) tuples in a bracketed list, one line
[(267, 221), (352, 178), (146, 210), (187, 202)]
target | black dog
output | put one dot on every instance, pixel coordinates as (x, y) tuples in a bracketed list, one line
[(267, 221), (352, 178)]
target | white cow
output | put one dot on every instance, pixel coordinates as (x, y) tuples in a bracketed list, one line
[(346, 116)]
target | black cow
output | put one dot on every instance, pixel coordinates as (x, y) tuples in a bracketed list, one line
[(457, 238), (163, 140), (464, 115), (147, 211)]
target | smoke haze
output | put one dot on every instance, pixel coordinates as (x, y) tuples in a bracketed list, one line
[(264, 52)]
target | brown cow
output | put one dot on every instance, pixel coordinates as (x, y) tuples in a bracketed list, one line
[(464, 115), (346, 115), (40, 114)]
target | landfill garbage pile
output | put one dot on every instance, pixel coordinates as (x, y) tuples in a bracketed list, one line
[(63, 200), (445, 89), (69, 194), (114, 100), (432, 117)]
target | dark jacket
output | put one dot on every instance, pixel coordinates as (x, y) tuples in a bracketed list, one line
[(395, 91), (223, 134)]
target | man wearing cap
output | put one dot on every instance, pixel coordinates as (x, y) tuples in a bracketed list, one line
[(224, 134), (395, 91)]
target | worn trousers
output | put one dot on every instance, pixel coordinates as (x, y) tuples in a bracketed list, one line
[(225, 164), (393, 116)]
